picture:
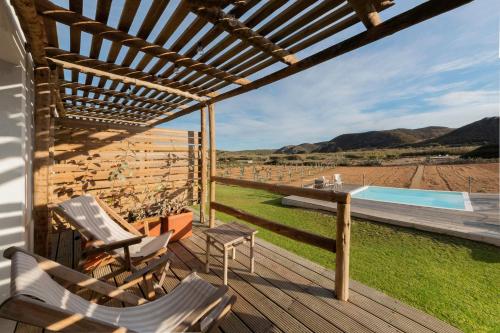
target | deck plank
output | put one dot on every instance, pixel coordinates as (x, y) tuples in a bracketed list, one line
[(266, 306), (184, 263), (312, 307), (372, 314), (343, 314), (287, 292), (322, 276), (298, 310)]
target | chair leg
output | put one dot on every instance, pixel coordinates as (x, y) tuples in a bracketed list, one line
[(164, 274), (150, 290), (225, 266), (207, 255)]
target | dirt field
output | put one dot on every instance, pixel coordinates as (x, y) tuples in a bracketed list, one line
[(485, 177)]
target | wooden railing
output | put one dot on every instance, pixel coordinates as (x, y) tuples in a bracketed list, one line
[(340, 246)]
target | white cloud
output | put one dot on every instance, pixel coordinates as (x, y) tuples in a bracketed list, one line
[(465, 62), (477, 99)]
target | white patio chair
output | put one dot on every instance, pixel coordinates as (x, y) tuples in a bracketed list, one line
[(337, 182)]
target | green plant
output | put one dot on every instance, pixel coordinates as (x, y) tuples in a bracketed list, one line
[(144, 199)]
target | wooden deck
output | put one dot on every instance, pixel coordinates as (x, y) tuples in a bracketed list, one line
[(482, 224), (286, 294)]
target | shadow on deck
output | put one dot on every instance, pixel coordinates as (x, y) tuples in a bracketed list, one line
[(286, 294)]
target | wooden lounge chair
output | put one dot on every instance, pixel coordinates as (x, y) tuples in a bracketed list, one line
[(36, 299), (108, 237)]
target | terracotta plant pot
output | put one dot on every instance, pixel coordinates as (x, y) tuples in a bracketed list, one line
[(182, 224), (155, 225)]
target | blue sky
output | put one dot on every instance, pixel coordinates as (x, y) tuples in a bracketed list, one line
[(441, 72)]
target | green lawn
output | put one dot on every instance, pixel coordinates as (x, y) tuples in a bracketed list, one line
[(453, 279)]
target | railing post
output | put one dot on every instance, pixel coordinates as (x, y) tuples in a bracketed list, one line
[(343, 248), (203, 194), (213, 162)]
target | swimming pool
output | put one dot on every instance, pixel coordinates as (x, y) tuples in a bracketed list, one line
[(423, 198)]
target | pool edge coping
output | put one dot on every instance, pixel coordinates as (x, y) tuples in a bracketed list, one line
[(467, 202)]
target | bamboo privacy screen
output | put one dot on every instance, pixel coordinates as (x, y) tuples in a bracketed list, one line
[(128, 167)]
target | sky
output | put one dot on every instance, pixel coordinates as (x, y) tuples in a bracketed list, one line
[(443, 72)]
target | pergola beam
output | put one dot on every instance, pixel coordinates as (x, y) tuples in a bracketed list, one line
[(121, 94), (79, 59), (86, 110), (90, 116), (238, 29), (125, 79), (366, 11), (116, 106), (77, 21), (416, 15)]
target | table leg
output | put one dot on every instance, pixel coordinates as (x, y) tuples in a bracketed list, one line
[(252, 261), (207, 255), (225, 265), (234, 253)]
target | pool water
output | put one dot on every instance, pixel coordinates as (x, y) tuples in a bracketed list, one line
[(423, 198)]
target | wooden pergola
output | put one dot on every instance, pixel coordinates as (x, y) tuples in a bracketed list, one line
[(227, 48)]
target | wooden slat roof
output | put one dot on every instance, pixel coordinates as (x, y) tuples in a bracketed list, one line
[(200, 51)]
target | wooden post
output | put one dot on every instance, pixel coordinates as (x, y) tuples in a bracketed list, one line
[(364, 182), (343, 248), (41, 161), (213, 162), (203, 194), (470, 184)]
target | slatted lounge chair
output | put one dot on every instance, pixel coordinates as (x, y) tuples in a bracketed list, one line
[(110, 238), (37, 299)]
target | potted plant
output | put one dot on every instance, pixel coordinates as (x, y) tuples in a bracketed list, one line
[(177, 217)]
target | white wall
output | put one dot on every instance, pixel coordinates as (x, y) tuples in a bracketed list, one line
[(16, 119)]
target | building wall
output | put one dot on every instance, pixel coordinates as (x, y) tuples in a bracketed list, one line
[(16, 121)]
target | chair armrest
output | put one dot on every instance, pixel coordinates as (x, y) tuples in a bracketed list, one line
[(113, 246), (212, 319), (204, 309), (74, 277), (150, 267)]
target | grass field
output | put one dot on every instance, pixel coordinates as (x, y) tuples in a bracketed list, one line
[(453, 279)]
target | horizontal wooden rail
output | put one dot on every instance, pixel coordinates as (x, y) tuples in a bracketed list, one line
[(284, 230), (339, 197), (341, 246)]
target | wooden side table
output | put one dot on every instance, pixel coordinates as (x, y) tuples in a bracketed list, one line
[(227, 237)]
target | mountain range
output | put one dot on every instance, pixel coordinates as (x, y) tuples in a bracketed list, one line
[(481, 132)]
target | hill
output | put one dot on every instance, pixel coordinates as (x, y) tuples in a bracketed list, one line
[(487, 151), (303, 148), (382, 139), (481, 132), (368, 140)]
